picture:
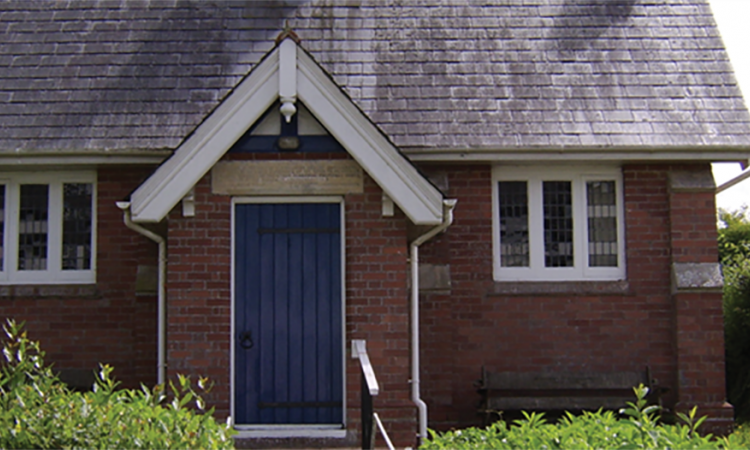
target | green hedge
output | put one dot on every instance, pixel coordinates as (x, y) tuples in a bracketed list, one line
[(638, 427), (734, 253), (38, 411)]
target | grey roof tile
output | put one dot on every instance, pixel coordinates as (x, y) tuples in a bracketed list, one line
[(456, 74)]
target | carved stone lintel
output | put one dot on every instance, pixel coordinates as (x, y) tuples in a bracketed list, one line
[(334, 177)]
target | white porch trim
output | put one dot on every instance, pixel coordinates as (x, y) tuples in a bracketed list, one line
[(416, 196)]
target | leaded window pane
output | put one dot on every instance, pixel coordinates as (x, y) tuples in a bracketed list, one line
[(32, 227), (514, 224), (558, 223), (2, 226), (602, 223), (77, 204)]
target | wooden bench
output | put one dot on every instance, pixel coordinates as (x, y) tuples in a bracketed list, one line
[(560, 391), (79, 380)]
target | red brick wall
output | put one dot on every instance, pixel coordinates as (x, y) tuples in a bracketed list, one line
[(456, 328), (80, 327), (198, 293), (699, 335), (579, 327), (693, 231), (377, 309), (573, 326)]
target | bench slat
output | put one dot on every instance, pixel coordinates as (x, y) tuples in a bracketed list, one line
[(563, 381), (555, 403)]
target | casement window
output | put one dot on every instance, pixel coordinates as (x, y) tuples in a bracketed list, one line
[(48, 228), (558, 224)]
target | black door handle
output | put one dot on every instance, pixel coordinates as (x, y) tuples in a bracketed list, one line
[(246, 340)]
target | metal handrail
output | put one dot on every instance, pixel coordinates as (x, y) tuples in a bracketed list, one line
[(369, 388), (359, 350), (382, 431)]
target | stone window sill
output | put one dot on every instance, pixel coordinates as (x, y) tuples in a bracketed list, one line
[(77, 291), (521, 288)]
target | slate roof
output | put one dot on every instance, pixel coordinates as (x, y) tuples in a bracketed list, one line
[(138, 76)]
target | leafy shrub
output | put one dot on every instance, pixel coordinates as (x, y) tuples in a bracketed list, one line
[(38, 411), (638, 428), (734, 253), (740, 438)]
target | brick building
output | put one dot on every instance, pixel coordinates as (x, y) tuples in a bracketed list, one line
[(196, 188)]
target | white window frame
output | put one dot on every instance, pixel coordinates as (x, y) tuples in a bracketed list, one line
[(534, 176), (54, 274)]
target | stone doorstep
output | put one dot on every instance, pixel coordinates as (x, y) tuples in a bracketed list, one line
[(314, 448), (351, 441), (284, 445), (301, 444), (323, 448)]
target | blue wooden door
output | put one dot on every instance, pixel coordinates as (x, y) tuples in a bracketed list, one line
[(288, 326)]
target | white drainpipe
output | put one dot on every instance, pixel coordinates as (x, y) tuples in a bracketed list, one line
[(161, 293), (448, 206)]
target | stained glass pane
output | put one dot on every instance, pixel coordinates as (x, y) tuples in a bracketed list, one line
[(602, 223), (32, 227), (514, 224), (76, 250), (558, 223), (2, 226)]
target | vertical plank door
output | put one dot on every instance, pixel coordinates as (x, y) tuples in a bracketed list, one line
[(288, 323)]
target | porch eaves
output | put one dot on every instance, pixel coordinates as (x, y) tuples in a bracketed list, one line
[(399, 179)]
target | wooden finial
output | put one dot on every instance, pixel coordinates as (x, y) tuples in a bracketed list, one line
[(287, 32)]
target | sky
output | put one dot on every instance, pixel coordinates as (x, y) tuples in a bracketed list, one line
[(732, 18)]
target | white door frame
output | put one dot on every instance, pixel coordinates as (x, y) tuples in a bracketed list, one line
[(291, 430)]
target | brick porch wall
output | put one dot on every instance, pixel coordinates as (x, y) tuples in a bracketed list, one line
[(378, 309), (82, 326), (199, 302), (563, 326), (199, 295)]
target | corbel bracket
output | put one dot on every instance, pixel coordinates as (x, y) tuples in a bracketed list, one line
[(188, 204), (387, 206)]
